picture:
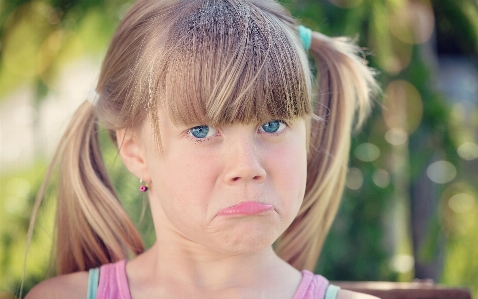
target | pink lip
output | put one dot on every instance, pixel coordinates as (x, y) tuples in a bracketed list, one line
[(246, 208)]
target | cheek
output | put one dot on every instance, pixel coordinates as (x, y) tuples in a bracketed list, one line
[(184, 183), (290, 176)]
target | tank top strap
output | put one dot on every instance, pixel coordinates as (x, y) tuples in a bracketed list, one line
[(93, 277), (331, 292), (311, 286), (113, 282)]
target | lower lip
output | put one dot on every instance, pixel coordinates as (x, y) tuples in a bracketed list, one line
[(246, 208)]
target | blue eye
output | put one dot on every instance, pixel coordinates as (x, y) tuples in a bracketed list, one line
[(273, 126), (202, 132)]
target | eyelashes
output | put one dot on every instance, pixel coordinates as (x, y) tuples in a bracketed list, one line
[(204, 132)]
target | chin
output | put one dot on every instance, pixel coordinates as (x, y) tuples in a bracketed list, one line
[(246, 246), (247, 239)]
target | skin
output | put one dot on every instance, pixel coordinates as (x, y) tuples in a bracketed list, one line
[(200, 253), (237, 163)]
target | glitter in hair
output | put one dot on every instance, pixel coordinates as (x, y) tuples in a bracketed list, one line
[(224, 62)]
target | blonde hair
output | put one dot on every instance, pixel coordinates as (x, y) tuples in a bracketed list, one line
[(211, 62)]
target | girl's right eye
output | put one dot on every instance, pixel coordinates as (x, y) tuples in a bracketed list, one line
[(273, 126), (202, 132)]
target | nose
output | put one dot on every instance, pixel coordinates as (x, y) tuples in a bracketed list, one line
[(243, 163)]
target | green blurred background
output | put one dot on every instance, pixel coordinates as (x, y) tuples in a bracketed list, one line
[(410, 208)]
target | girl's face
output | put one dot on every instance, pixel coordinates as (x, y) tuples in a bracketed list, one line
[(231, 189)]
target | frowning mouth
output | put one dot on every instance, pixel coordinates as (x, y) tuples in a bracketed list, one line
[(246, 208)]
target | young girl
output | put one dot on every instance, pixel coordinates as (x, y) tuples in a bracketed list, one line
[(211, 105)]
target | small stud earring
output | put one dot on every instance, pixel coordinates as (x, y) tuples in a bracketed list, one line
[(143, 188)]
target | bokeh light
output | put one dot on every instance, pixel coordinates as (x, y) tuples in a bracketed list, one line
[(367, 152), (412, 22), (461, 203), (441, 172), (354, 178), (402, 263), (381, 178), (403, 107), (468, 151), (396, 136)]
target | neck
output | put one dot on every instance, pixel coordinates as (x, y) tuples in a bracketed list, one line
[(175, 273), (202, 267)]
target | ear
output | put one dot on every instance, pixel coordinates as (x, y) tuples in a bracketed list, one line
[(132, 154)]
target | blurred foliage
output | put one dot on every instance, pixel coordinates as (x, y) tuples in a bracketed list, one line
[(381, 232), (39, 37)]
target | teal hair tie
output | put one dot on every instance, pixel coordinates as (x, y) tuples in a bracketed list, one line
[(306, 37)]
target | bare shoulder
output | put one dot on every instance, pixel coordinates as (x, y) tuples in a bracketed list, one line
[(346, 294), (72, 286)]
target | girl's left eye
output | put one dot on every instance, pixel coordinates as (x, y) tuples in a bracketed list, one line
[(202, 132), (273, 126)]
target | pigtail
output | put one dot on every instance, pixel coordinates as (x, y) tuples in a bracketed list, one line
[(345, 86), (92, 228)]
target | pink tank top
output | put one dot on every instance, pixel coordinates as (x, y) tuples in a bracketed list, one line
[(113, 284)]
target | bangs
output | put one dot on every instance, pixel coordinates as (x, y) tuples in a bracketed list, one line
[(230, 62)]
